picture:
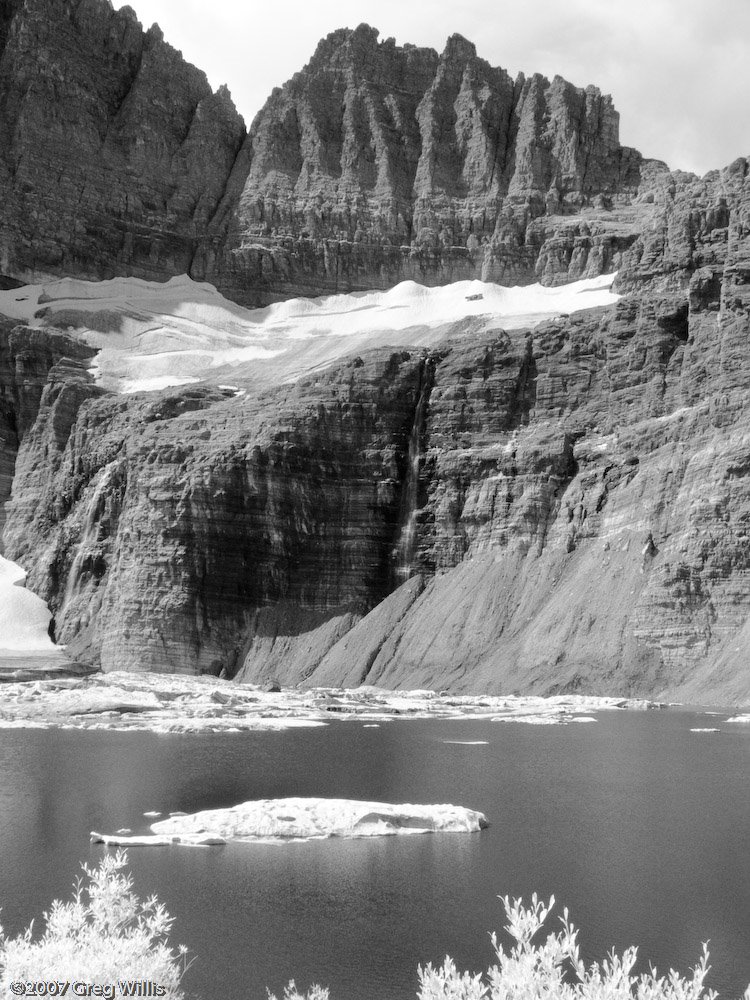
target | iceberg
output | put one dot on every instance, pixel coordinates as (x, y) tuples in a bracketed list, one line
[(295, 819), (314, 818)]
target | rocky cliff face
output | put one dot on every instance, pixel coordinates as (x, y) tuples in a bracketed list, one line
[(168, 531), (541, 510), (114, 152), (376, 163), (27, 357)]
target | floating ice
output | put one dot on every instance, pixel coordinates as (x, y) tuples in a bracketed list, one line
[(169, 703), (314, 818), (153, 335), (153, 840)]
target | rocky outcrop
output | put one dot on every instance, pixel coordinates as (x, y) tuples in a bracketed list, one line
[(171, 532), (26, 359), (114, 152), (556, 509), (376, 163)]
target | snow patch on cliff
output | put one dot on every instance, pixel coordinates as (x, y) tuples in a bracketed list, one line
[(152, 335), (24, 617)]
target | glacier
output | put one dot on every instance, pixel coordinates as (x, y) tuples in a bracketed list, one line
[(153, 335)]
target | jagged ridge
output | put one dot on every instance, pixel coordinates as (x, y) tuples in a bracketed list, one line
[(374, 164), (579, 499)]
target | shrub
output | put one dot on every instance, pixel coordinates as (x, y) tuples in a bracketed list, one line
[(107, 935), (292, 993), (553, 970), (104, 935)]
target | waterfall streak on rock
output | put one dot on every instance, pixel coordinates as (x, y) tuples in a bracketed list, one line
[(406, 546)]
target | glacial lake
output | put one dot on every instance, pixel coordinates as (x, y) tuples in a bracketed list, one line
[(636, 824)]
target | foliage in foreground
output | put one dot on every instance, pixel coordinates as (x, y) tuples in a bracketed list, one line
[(104, 935), (292, 993), (550, 970), (553, 970)]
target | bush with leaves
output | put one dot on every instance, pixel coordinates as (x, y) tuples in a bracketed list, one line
[(292, 993), (553, 970), (104, 934)]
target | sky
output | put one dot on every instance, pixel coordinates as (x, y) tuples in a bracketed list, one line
[(678, 70)]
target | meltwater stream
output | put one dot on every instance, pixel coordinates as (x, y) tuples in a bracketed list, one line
[(634, 822)]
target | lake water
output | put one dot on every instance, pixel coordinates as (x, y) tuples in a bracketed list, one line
[(639, 826)]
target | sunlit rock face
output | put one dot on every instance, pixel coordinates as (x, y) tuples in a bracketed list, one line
[(556, 508), (212, 526), (174, 526), (375, 164), (332, 492), (379, 163)]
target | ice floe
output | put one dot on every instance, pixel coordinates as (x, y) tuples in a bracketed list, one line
[(168, 703), (151, 335), (304, 819), (153, 840)]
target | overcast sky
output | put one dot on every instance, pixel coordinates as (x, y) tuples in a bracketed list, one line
[(678, 70)]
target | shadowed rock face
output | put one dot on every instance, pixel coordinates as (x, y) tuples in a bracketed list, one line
[(114, 152), (374, 164), (178, 526), (27, 359), (559, 509)]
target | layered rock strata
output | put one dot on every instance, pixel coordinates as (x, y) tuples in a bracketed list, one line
[(547, 510), (114, 152), (171, 531), (26, 359), (376, 163), (556, 509)]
